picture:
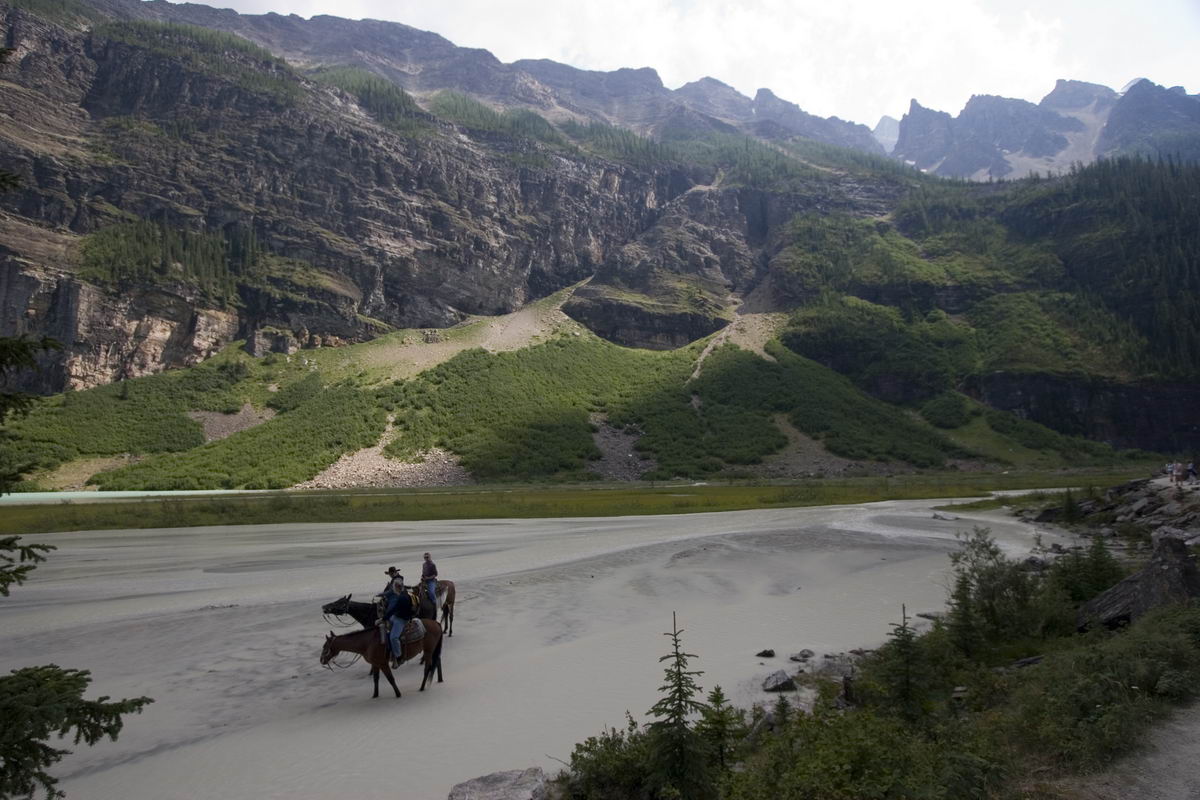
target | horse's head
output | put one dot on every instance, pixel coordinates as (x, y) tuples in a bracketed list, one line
[(339, 606), (329, 650)]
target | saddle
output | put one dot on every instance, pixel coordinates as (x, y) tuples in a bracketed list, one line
[(414, 631)]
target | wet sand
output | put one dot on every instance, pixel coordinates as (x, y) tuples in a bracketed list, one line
[(558, 631)]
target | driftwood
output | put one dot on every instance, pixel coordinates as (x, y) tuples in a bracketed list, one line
[(1171, 577)]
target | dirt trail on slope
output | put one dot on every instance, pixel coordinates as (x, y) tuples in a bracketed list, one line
[(756, 321), (1164, 770)]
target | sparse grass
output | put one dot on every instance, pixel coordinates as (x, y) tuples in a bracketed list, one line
[(514, 501)]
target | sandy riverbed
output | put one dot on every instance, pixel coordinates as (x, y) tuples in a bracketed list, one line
[(558, 631)]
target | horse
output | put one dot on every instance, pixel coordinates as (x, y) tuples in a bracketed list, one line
[(446, 589), (370, 645), (366, 614)]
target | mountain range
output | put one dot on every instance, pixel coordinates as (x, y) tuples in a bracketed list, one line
[(190, 178), (1076, 123)]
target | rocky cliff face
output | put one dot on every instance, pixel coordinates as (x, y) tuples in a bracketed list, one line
[(107, 337), (415, 231), (408, 230), (1158, 416)]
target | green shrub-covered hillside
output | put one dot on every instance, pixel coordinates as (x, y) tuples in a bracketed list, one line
[(288, 449), (525, 415), (1091, 277)]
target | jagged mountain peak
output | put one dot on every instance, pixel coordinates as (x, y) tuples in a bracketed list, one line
[(887, 132), (1070, 94)]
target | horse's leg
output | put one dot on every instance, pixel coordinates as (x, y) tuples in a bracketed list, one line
[(436, 662), (387, 673), (375, 677)]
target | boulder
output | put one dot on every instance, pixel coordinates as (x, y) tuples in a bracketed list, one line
[(1171, 577), (835, 665), (515, 784), (944, 516), (803, 655), (779, 681), (768, 653), (1051, 514)]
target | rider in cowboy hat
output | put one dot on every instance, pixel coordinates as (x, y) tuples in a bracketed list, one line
[(398, 609)]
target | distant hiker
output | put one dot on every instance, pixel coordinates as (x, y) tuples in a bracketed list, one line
[(1191, 472), (1180, 472), (397, 610), (429, 579)]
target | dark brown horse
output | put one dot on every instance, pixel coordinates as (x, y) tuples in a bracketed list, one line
[(370, 645), (446, 590), (366, 614)]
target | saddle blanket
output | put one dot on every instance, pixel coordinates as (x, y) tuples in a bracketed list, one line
[(414, 631)]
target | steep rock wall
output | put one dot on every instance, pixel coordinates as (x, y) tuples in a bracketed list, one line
[(1160, 416)]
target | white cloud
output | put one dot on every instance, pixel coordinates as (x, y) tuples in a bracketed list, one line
[(856, 59)]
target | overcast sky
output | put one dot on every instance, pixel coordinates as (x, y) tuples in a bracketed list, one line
[(856, 59)]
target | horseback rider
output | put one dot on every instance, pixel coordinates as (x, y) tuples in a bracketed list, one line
[(398, 610), (392, 574), (429, 578)]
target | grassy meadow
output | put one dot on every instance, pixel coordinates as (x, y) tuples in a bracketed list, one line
[(518, 502)]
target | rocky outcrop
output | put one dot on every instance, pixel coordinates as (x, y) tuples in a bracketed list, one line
[(1157, 506), (1170, 577), (778, 681), (106, 337), (517, 784), (1160, 416)]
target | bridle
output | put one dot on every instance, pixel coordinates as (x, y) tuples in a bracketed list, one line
[(331, 663), (336, 621)]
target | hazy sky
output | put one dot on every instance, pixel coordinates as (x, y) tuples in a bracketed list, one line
[(857, 59)]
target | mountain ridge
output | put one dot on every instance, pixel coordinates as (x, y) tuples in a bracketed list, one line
[(183, 188)]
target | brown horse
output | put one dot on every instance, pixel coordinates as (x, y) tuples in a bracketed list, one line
[(446, 589), (377, 653)]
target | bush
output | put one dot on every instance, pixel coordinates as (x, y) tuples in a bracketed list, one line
[(947, 410)]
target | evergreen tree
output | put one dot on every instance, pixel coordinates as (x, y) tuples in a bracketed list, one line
[(38, 703), (962, 623), (901, 667), (678, 762), (720, 726)]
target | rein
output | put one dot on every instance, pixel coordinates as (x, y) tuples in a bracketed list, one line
[(337, 620), (332, 663)]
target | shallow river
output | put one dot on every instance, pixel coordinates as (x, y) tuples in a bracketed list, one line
[(558, 631)]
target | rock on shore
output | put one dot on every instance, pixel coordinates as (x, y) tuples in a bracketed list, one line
[(516, 784)]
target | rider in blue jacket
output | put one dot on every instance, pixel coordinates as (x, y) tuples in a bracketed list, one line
[(398, 608)]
